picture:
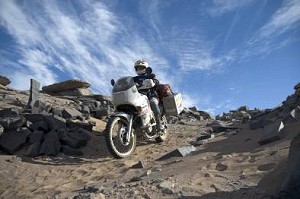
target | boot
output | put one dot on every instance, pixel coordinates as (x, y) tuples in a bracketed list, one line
[(159, 125)]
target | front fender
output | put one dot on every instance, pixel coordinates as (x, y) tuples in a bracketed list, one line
[(126, 116)]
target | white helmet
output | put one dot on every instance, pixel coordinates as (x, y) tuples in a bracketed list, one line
[(140, 66)]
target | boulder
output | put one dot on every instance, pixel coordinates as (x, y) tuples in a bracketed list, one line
[(36, 137), (10, 112), (179, 152), (55, 122), (74, 139), (257, 123), (33, 150), (34, 117), (12, 123), (75, 92), (290, 187), (77, 125), (65, 85), (273, 133), (39, 107), (70, 151), (12, 141), (70, 113), (34, 92), (297, 86), (4, 81), (51, 145), (39, 126), (220, 126)]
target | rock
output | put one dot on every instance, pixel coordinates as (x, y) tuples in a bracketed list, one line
[(70, 151), (51, 145), (297, 86), (139, 165), (293, 116), (57, 111), (179, 152), (166, 185), (4, 81), (34, 118), (39, 126), (74, 139), (39, 107), (12, 141), (220, 126), (257, 123), (12, 123), (74, 92), (290, 187), (83, 125), (70, 113), (36, 137), (34, 92), (204, 136), (10, 112), (99, 114), (1, 129), (273, 133), (55, 122), (243, 108), (65, 85), (33, 150)]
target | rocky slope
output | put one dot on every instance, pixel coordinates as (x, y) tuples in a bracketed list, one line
[(53, 147)]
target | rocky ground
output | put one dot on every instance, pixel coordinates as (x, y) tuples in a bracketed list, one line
[(241, 154)]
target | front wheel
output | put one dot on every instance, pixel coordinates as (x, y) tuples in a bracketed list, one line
[(115, 136)]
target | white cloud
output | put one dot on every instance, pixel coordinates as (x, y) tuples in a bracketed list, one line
[(283, 20), (277, 32), (221, 7)]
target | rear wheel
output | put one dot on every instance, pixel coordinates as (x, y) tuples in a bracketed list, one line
[(116, 131)]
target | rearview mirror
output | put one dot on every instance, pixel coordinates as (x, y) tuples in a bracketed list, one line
[(112, 82)]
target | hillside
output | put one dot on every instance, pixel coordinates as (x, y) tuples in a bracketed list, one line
[(241, 154)]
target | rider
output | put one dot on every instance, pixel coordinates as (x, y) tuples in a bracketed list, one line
[(140, 68)]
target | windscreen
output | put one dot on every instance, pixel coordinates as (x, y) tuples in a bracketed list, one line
[(123, 83)]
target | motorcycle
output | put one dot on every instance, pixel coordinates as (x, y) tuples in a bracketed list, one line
[(133, 117)]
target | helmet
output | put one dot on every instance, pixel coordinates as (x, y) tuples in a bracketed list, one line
[(140, 66)]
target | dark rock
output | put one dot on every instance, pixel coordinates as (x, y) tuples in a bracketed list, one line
[(10, 112), (34, 92), (297, 86), (204, 136), (12, 123), (39, 126), (290, 187), (4, 81), (273, 133), (257, 123), (101, 113), (12, 141), (70, 151), (243, 108), (139, 165), (51, 145), (55, 122), (179, 152), (69, 113), (33, 150), (74, 139), (220, 126), (83, 125), (34, 118), (36, 137)]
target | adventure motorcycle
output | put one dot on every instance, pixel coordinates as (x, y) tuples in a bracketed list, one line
[(134, 117)]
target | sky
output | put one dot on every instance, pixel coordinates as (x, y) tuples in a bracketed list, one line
[(219, 54)]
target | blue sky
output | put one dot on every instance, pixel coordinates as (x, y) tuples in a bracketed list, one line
[(220, 54)]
